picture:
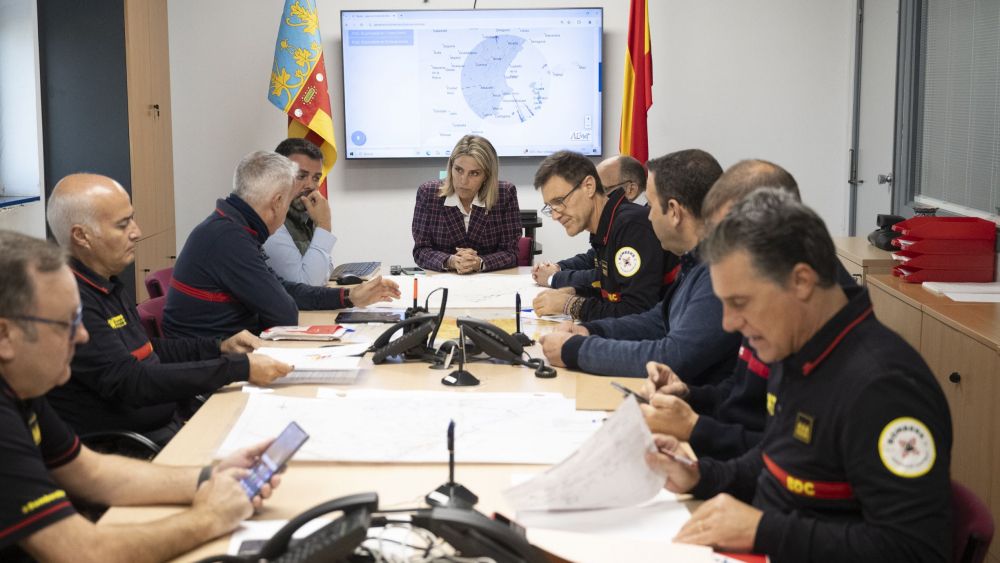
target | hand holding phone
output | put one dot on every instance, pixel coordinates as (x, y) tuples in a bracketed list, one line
[(274, 458)]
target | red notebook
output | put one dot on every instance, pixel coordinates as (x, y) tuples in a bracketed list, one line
[(314, 332)]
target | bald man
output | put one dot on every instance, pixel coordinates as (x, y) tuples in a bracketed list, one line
[(121, 379)]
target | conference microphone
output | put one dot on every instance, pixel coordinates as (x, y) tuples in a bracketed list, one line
[(452, 494)]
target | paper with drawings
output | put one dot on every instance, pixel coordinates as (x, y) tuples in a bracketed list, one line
[(411, 426), (476, 291), (609, 470), (319, 365)]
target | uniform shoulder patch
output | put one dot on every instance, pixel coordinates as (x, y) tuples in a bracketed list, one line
[(906, 447), (627, 261)]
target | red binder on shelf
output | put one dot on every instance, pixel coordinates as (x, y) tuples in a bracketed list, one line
[(949, 228), (945, 249)]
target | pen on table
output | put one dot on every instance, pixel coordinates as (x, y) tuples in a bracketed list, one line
[(517, 310), (626, 391), (414, 292)]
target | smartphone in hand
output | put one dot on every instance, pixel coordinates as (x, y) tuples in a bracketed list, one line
[(274, 458)]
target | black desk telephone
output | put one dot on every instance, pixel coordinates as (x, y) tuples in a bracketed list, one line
[(495, 342), (470, 533), (417, 330)]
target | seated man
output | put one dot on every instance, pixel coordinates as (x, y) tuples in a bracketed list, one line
[(854, 463), (618, 172), (630, 265), (683, 329), (42, 460), (299, 251), (122, 380), (222, 284)]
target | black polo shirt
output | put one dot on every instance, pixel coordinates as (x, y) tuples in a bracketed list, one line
[(631, 266), (854, 463), (33, 441), (121, 379)]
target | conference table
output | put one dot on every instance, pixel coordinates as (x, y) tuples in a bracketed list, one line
[(306, 484)]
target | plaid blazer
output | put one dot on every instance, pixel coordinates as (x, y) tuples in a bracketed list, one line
[(438, 229)]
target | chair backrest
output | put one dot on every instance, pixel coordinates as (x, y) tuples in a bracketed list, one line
[(525, 251), (972, 526), (157, 282), (151, 316)]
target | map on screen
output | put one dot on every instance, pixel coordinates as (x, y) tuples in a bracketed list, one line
[(416, 81)]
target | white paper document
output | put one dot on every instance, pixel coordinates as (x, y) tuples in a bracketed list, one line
[(334, 364), (609, 470), (974, 297), (956, 287), (467, 292), (411, 426)]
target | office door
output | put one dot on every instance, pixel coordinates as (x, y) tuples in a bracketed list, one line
[(874, 119)]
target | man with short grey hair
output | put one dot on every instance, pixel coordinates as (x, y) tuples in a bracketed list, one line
[(222, 283), (854, 465)]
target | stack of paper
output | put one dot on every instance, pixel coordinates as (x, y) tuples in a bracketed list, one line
[(966, 292), (314, 332), (319, 365)]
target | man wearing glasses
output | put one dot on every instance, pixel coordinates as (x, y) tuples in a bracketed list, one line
[(617, 172), (122, 379), (628, 260), (42, 461)]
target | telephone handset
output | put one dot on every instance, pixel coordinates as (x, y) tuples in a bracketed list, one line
[(416, 333), (334, 542), (495, 342)]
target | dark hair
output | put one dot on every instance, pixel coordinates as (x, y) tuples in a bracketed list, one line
[(632, 171), (778, 232), (19, 256), (568, 165), (291, 146), (742, 178), (685, 176)]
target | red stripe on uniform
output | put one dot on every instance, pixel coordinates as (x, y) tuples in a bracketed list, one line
[(612, 220), (87, 281), (68, 453), (201, 294), (753, 364), (34, 518), (826, 490), (669, 277), (142, 352), (809, 366), (248, 229)]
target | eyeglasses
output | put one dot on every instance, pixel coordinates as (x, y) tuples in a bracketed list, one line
[(559, 203), (73, 325)]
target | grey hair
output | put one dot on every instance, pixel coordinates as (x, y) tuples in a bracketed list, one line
[(66, 208), (778, 232), (19, 256), (262, 174)]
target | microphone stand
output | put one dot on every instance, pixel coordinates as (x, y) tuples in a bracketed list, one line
[(452, 494)]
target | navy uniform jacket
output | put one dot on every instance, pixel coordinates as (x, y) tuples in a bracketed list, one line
[(222, 284), (33, 442), (122, 380), (629, 262), (732, 414), (854, 463)]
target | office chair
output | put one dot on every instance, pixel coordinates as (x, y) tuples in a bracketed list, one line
[(157, 282), (972, 526), (525, 251), (151, 316)]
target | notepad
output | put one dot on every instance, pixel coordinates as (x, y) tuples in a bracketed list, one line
[(314, 332), (316, 365)]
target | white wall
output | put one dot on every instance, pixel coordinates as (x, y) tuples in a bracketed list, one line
[(766, 79), (20, 116)]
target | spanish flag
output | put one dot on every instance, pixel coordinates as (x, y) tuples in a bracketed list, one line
[(299, 80), (638, 95)]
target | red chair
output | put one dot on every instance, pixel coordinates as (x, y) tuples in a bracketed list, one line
[(157, 282), (525, 251), (151, 316), (972, 526)]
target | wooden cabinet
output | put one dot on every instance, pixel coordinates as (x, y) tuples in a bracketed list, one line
[(150, 142), (961, 344), (861, 259)]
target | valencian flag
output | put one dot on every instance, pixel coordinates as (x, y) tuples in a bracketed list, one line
[(299, 80), (638, 95)]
